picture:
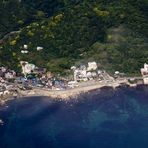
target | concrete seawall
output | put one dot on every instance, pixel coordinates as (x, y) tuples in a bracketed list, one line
[(66, 94)]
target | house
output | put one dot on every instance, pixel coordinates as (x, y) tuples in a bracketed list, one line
[(10, 75), (145, 80), (2, 71), (25, 46), (73, 67), (85, 73), (27, 68), (144, 71), (49, 75), (39, 70), (39, 48), (92, 66), (24, 51)]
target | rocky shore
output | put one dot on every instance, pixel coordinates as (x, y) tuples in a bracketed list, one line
[(67, 93)]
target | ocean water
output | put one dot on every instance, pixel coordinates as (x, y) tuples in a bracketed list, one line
[(103, 118)]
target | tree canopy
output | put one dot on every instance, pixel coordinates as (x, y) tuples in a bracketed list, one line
[(112, 32)]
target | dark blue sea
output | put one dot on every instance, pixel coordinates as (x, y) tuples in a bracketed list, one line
[(103, 118)]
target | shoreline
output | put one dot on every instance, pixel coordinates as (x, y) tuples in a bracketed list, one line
[(68, 93), (74, 92)]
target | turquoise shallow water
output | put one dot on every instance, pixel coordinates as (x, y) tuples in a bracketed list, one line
[(103, 118)]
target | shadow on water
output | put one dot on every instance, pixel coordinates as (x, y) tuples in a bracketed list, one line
[(103, 118)]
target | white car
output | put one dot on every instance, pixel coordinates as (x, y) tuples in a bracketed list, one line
[(73, 84)]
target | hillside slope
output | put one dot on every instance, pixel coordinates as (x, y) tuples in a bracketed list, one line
[(112, 32)]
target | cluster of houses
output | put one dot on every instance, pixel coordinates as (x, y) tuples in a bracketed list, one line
[(25, 49), (85, 73), (40, 77), (144, 73), (6, 73), (34, 76), (31, 76), (88, 72)]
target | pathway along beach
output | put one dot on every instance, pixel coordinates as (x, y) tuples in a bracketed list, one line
[(73, 92), (66, 94)]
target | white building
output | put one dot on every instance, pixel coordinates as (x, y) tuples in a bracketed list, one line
[(85, 73), (25, 46), (145, 80), (27, 67), (9, 75), (144, 71), (24, 51), (3, 69), (92, 66), (39, 48)]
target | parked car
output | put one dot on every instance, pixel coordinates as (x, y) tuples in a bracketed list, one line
[(72, 84)]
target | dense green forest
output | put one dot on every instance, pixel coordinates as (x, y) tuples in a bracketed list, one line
[(112, 32)]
